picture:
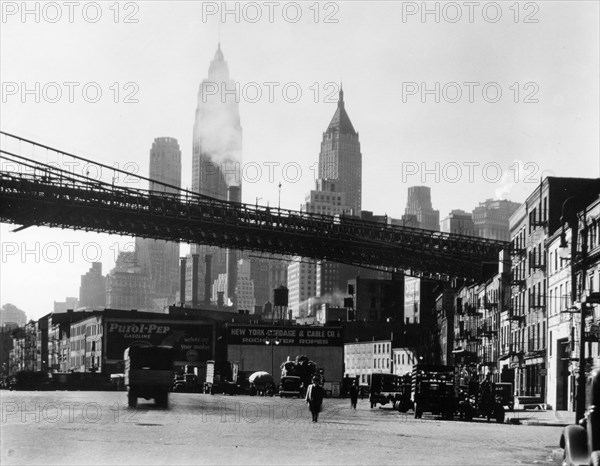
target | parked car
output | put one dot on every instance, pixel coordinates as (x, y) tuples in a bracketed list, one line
[(581, 443)]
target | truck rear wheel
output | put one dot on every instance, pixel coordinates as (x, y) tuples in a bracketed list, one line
[(162, 399), (499, 414), (131, 399)]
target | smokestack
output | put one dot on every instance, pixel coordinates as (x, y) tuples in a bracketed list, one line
[(195, 281), (182, 280), (208, 280), (234, 194)]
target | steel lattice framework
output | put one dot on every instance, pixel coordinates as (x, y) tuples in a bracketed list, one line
[(55, 198)]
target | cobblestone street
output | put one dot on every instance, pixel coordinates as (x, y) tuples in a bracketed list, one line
[(97, 428)]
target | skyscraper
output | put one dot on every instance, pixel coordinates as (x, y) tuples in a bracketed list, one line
[(216, 154), (458, 222), (338, 191), (126, 286), (419, 204), (92, 292), (217, 139), (159, 260), (340, 158), (301, 281), (491, 218)]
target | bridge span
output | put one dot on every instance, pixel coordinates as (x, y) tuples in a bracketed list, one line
[(40, 194)]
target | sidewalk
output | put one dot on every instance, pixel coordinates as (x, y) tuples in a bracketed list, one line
[(540, 417)]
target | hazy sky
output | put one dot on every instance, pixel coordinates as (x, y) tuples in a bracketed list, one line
[(148, 59)]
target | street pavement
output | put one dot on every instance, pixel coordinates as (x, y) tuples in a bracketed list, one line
[(75, 427)]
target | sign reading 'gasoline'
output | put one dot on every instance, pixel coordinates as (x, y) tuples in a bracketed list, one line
[(292, 336), (191, 341)]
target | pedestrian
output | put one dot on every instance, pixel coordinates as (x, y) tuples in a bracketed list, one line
[(353, 395), (314, 398), (487, 396)]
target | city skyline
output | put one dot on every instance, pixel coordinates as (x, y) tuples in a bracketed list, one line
[(394, 144)]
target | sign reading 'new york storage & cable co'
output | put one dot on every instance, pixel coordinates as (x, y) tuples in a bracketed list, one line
[(292, 336)]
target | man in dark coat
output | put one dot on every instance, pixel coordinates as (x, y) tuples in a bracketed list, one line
[(353, 395), (314, 398)]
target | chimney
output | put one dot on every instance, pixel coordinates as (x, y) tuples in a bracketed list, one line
[(208, 280), (195, 281), (182, 280)]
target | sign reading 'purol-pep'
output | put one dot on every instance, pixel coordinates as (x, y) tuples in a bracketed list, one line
[(191, 342), (292, 336)]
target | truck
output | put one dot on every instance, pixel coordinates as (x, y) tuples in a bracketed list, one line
[(390, 388), (303, 370), (148, 374), (485, 400), (224, 380), (432, 390)]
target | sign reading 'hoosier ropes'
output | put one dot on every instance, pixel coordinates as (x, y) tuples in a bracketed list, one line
[(291, 336)]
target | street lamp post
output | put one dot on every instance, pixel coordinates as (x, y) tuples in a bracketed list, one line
[(272, 341), (279, 197), (577, 265)]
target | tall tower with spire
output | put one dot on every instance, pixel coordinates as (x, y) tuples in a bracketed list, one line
[(340, 158), (217, 144), (216, 163), (338, 191)]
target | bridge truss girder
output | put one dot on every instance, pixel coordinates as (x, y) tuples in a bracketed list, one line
[(43, 201)]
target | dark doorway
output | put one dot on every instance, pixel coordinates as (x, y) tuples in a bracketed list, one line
[(562, 373)]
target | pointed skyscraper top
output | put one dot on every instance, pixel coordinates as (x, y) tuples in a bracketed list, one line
[(341, 121), (219, 54), (218, 69)]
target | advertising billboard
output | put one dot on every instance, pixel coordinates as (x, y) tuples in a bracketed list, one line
[(192, 341)]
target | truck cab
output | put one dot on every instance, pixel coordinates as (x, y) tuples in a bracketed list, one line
[(148, 374)]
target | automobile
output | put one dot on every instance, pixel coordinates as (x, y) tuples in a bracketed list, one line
[(290, 385), (581, 442), (186, 383)]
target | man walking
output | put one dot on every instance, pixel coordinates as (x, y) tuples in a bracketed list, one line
[(353, 395), (314, 398)]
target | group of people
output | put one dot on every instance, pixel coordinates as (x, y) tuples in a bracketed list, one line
[(315, 394)]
